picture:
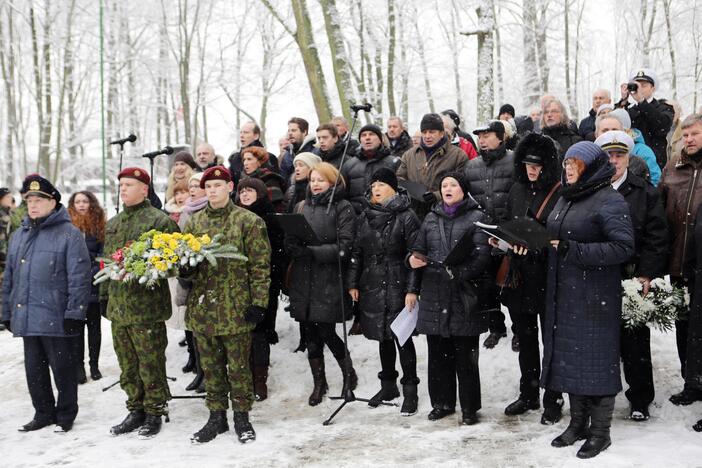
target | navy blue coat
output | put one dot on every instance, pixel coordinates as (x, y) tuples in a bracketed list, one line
[(584, 295), (441, 311), (47, 277)]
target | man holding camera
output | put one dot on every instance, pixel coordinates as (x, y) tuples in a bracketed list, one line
[(651, 116)]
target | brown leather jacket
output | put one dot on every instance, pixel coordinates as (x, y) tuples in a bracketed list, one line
[(681, 187), (415, 167)]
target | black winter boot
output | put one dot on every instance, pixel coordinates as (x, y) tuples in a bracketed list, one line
[(260, 379), (199, 374), (687, 397), (388, 389), (243, 428), (440, 413), (521, 406), (190, 365), (320, 381), (350, 377), (409, 403), (469, 418), (215, 425), (601, 419), (82, 378), (35, 425), (151, 426), (578, 427), (95, 373), (132, 422), (552, 413)]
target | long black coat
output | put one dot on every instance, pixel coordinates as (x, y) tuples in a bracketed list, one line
[(584, 297), (401, 144), (314, 285), (524, 200), (489, 179), (563, 135), (296, 192), (358, 171), (441, 311), (693, 365), (650, 228), (378, 268)]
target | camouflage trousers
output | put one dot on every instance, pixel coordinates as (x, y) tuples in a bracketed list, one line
[(140, 350), (225, 362)]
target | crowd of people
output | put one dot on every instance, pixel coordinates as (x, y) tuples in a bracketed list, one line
[(619, 196)]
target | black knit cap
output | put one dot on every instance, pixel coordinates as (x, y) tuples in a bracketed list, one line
[(431, 122), (35, 184), (185, 157), (507, 109), (371, 128), (256, 184), (385, 176), (460, 178)]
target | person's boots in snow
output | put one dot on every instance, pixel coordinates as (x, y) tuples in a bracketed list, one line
[(243, 428), (320, 381), (151, 426), (215, 425), (388, 389), (601, 419), (350, 377), (260, 379), (199, 374), (132, 422), (578, 427), (521, 405), (82, 378)]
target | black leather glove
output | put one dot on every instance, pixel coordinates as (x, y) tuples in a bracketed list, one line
[(563, 247), (429, 198), (72, 327), (271, 337), (103, 308), (7, 325), (255, 314)]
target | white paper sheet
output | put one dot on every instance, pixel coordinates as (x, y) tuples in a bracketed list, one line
[(404, 324)]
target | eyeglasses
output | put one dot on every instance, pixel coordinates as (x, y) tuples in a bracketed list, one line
[(568, 162)]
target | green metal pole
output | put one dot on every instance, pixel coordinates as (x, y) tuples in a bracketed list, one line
[(102, 107)]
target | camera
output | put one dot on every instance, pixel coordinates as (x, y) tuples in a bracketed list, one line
[(632, 87)]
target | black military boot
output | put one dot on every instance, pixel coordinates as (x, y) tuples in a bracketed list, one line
[(199, 374), (190, 365), (601, 420), (215, 425), (260, 382), (409, 403), (388, 389), (35, 425), (243, 428), (95, 373), (521, 406), (132, 422), (578, 427), (320, 381), (151, 426), (80, 374), (687, 397), (350, 377)]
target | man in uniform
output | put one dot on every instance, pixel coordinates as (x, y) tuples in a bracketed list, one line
[(138, 313), (225, 303), (45, 294)]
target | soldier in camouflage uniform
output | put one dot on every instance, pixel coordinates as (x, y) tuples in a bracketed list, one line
[(225, 304), (5, 225), (138, 313)]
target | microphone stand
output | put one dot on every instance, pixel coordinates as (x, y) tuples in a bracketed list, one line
[(121, 158), (347, 394)]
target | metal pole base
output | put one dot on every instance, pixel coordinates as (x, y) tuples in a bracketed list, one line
[(349, 397)]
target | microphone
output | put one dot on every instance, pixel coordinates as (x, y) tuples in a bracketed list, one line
[(361, 107), (131, 138), (153, 154)]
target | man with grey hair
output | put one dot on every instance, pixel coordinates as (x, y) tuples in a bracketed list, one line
[(556, 125), (342, 126), (205, 156), (681, 187), (398, 138), (587, 125)]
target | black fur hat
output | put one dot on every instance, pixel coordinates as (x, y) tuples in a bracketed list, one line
[(537, 149)]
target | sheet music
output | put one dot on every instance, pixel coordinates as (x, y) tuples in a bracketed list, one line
[(404, 324)]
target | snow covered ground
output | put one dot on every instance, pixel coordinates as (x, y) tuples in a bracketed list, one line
[(290, 433)]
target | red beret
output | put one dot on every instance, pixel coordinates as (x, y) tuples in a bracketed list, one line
[(135, 173), (215, 173)]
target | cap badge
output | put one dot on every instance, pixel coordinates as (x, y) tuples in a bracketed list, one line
[(217, 173), (34, 185), (137, 173)]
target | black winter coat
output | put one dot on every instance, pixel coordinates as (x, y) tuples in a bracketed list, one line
[(333, 156), (489, 178), (584, 295), (653, 119), (441, 311), (264, 209), (650, 228), (314, 285), (563, 135), (295, 194), (358, 171), (400, 144), (95, 249), (378, 268), (586, 129)]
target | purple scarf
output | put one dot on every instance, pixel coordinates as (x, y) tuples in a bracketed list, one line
[(450, 210), (193, 206)]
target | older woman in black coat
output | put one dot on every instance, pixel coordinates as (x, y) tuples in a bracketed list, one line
[(534, 194), (452, 329), (382, 284), (314, 288), (592, 236)]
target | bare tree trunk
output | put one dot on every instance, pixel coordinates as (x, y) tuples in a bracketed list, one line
[(484, 34), (392, 33), (498, 51), (569, 90), (7, 67), (42, 82), (541, 33), (532, 85), (697, 44), (671, 48), (451, 32), (425, 70), (577, 53), (340, 62), (404, 92), (647, 19)]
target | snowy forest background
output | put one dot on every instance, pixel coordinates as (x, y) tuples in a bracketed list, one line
[(184, 71)]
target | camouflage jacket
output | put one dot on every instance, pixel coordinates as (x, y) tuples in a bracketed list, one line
[(221, 294), (135, 303), (16, 216)]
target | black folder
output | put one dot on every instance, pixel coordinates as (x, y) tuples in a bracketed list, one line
[(460, 251), (523, 231), (415, 189), (297, 226)]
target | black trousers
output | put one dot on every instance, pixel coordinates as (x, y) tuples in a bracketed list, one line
[(449, 358), (638, 370), (681, 325), (319, 334), (58, 354), (526, 327), (94, 336), (260, 347), (408, 361)]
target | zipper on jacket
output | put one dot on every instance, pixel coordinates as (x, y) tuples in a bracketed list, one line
[(687, 217)]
